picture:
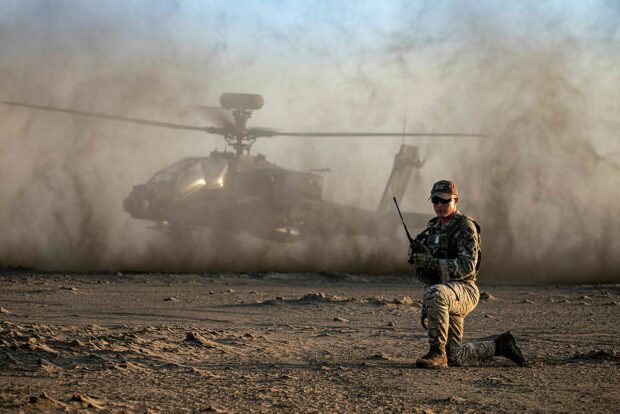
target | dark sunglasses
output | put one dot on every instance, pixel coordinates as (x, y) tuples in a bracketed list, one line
[(438, 200)]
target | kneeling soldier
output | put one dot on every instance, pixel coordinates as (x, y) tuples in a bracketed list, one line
[(448, 264)]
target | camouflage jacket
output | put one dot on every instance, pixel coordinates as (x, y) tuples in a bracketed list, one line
[(457, 248)]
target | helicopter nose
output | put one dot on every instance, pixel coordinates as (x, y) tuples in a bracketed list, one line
[(137, 203)]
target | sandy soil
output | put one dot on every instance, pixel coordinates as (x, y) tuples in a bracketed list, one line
[(291, 343)]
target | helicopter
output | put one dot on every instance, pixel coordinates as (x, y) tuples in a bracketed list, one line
[(235, 192)]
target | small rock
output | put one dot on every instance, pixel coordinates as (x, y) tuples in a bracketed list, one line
[(87, 401), (45, 365), (527, 301), (4, 310), (214, 409), (47, 400), (315, 295), (230, 291), (339, 319), (405, 300), (196, 338), (171, 299), (487, 297), (40, 346), (391, 323), (380, 355), (77, 342)]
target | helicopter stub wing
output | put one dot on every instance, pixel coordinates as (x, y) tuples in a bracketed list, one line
[(170, 125)]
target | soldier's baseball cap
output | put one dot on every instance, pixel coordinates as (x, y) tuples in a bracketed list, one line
[(444, 189)]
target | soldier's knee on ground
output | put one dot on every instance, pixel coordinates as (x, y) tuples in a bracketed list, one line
[(437, 294), (454, 357)]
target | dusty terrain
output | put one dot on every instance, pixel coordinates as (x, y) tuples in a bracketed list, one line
[(291, 343)]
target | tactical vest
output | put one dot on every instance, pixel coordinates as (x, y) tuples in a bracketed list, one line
[(442, 245)]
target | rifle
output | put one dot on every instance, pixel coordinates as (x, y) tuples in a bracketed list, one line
[(416, 246)]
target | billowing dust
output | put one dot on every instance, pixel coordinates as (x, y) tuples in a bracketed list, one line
[(543, 183)]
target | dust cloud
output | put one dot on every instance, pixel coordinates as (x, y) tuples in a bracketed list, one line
[(540, 81)]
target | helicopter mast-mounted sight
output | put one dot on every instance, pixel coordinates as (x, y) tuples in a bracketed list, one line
[(242, 101), (241, 105)]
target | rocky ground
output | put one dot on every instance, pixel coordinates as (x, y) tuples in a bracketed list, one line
[(291, 343)]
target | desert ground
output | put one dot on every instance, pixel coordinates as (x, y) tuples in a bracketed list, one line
[(114, 342)]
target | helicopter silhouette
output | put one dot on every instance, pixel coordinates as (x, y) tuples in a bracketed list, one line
[(234, 192)]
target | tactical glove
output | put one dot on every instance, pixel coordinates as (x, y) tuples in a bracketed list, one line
[(423, 261), (410, 260)]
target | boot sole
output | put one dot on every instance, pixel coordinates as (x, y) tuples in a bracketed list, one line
[(423, 366)]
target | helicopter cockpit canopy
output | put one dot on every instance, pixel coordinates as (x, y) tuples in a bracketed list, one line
[(189, 175)]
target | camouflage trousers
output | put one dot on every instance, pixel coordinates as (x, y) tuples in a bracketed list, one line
[(447, 305)]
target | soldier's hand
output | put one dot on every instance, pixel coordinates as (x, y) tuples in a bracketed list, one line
[(423, 261)]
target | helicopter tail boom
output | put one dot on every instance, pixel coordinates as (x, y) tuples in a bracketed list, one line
[(405, 161)]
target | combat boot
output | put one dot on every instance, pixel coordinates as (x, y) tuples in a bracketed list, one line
[(506, 346), (435, 358)]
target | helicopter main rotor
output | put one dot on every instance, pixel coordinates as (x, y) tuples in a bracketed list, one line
[(235, 131), (241, 105)]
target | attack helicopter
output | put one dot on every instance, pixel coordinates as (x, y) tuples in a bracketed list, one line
[(234, 192)]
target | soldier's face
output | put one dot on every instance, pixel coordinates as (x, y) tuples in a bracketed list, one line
[(445, 210)]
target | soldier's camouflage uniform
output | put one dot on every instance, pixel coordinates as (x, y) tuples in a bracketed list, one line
[(450, 289)]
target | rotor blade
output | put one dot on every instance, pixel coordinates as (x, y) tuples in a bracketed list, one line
[(211, 130), (272, 133)]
